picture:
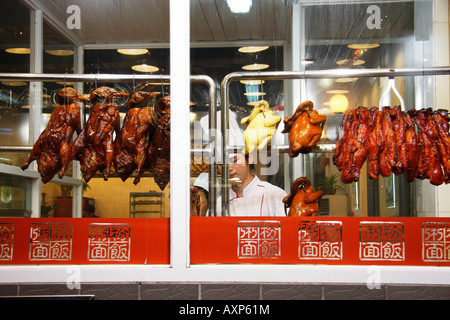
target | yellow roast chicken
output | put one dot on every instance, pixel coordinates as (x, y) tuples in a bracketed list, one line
[(261, 126)]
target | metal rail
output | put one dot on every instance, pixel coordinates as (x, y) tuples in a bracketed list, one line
[(299, 75), (107, 78)]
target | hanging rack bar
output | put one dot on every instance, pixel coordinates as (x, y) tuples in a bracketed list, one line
[(297, 75)]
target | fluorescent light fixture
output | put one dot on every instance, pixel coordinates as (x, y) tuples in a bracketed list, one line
[(255, 66), (253, 49), (144, 68), (363, 46), (60, 52), (18, 50), (239, 6), (132, 52)]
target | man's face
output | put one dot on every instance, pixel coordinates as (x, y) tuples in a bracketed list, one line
[(239, 169)]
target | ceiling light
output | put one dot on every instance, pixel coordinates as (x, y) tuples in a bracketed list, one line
[(363, 46), (253, 49), (144, 68), (60, 52), (344, 80), (255, 66), (239, 6), (132, 52), (65, 83), (253, 94), (306, 61), (337, 91), (18, 50), (339, 103), (252, 82), (14, 83), (350, 62)]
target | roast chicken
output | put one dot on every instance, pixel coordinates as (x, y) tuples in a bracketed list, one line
[(304, 128), (130, 144), (261, 127), (158, 151), (303, 200), (94, 147), (415, 142), (52, 149)]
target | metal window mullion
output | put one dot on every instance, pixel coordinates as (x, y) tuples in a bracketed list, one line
[(36, 66), (180, 133)]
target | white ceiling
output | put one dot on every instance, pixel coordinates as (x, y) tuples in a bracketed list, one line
[(147, 21)]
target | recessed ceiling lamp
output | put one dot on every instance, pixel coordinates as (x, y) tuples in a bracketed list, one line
[(14, 83), (254, 94), (345, 80), (239, 6), (18, 50), (253, 49), (255, 66), (252, 82), (60, 52), (347, 61), (363, 46), (65, 83), (132, 52), (336, 91), (144, 68)]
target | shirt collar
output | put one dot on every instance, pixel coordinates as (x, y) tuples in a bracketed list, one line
[(248, 188)]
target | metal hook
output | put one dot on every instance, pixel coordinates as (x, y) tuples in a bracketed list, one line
[(391, 85)]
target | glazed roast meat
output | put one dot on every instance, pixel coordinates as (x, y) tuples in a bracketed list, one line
[(94, 147), (304, 128), (130, 144), (52, 149), (158, 151), (394, 142), (303, 200)]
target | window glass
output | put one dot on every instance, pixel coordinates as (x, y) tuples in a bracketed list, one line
[(308, 36)]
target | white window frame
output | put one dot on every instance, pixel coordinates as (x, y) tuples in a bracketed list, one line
[(180, 269)]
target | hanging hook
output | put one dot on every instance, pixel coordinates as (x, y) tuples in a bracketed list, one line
[(162, 86), (391, 85)]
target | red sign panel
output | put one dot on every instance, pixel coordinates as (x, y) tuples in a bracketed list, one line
[(287, 240), (84, 241), (320, 240)]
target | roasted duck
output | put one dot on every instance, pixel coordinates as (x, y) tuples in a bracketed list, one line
[(304, 128), (94, 147), (303, 199), (130, 144), (158, 152), (262, 125), (416, 142), (441, 119), (411, 148), (429, 162), (353, 145), (52, 148)]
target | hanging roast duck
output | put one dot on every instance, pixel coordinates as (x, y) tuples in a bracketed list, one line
[(52, 149), (94, 147), (303, 199), (158, 152), (304, 128), (130, 144)]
